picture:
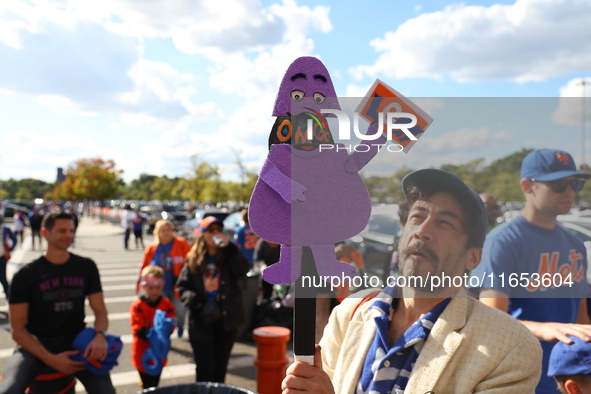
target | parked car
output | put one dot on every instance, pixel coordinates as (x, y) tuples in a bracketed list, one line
[(174, 213), (378, 241), (218, 213), (231, 223), (581, 228), (8, 210), (190, 228), (155, 213)]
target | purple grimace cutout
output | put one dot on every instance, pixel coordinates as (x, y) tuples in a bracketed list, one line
[(310, 197)]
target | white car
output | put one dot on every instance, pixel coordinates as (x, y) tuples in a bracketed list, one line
[(581, 227)]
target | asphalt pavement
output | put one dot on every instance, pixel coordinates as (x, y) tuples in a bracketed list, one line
[(103, 242)]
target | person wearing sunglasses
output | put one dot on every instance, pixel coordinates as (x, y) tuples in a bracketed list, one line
[(547, 264), (210, 288)]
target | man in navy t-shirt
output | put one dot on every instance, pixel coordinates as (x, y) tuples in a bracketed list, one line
[(535, 269), (47, 313)]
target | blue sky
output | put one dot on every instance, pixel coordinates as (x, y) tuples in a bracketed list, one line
[(151, 83)]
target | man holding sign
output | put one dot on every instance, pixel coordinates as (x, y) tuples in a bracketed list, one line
[(422, 338)]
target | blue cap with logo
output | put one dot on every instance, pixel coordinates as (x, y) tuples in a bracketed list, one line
[(574, 359), (549, 165), (446, 182)]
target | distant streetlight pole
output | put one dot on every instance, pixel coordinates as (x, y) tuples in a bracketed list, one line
[(583, 82), (584, 166)]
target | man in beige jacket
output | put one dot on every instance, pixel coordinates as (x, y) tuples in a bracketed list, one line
[(423, 334)]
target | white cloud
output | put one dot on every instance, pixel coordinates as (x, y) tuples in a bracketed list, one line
[(210, 27), (435, 149), (247, 130), (153, 77), (84, 57), (70, 62), (62, 104), (50, 152), (464, 139), (228, 26), (570, 105), (257, 75), (531, 40), (85, 68), (354, 90), (244, 133), (300, 20), (7, 92), (429, 105), (27, 17), (260, 76)]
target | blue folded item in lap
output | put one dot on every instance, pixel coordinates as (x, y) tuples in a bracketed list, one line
[(97, 367)]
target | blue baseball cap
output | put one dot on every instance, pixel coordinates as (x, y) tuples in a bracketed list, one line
[(574, 359), (549, 165), (444, 181)]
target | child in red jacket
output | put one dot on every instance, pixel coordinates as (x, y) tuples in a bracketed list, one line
[(142, 313)]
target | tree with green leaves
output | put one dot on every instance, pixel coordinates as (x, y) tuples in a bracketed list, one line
[(25, 189), (140, 188), (163, 188), (90, 179), (248, 178), (203, 183)]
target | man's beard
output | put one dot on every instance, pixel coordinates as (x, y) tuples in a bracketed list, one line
[(412, 270), (423, 285)]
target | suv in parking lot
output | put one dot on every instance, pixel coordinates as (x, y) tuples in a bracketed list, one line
[(9, 209), (154, 213)]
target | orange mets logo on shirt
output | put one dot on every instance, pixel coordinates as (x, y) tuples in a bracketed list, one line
[(573, 271)]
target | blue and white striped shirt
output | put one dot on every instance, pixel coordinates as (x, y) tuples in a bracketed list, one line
[(387, 370)]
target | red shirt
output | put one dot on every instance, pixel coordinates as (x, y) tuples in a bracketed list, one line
[(142, 315)]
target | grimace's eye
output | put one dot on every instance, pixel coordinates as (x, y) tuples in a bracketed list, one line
[(297, 95), (319, 98)]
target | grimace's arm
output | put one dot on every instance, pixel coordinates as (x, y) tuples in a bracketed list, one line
[(358, 160), (287, 188)]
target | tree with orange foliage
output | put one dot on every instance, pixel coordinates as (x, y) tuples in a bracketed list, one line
[(90, 179)]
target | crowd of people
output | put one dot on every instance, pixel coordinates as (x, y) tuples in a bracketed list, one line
[(175, 277), (524, 336), (520, 336)]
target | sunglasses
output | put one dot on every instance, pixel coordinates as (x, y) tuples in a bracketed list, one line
[(214, 229), (560, 185)]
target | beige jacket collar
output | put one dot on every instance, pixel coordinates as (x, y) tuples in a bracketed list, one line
[(442, 343)]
